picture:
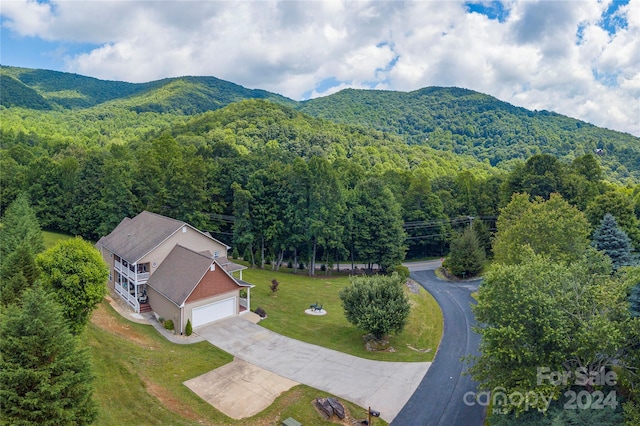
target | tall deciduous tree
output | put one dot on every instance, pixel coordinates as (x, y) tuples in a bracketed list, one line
[(542, 313), (420, 204), (376, 304), (44, 378), (377, 220), (552, 228), (325, 208), (612, 240), (243, 234), (74, 270)]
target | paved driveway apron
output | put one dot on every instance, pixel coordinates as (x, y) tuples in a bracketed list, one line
[(384, 386)]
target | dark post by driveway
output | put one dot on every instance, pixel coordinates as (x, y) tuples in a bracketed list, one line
[(440, 397)]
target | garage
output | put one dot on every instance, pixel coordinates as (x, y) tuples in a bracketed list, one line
[(213, 311)]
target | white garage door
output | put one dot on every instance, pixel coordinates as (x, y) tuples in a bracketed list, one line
[(213, 311)]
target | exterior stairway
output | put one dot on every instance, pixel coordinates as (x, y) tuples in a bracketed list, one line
[(145, 307)]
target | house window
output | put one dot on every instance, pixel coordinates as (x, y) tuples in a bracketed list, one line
[(216, 254), (184, 229), (110, 277)]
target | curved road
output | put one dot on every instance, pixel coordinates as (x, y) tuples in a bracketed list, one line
[(440, 397)]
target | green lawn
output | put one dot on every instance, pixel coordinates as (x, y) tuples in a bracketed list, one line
[(50, 238), (139, 377), (285, 311)]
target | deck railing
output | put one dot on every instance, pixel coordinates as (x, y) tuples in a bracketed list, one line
[(138, 278), (128, 297)]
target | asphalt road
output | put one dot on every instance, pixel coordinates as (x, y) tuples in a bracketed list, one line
[(440, 397)]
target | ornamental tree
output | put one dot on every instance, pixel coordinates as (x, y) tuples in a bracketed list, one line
[(613, 241), (376, 304), (75, 272)]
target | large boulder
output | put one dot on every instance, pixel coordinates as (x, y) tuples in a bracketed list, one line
[(338, 408), (324, 406)]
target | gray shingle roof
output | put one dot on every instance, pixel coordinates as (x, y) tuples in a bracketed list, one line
[(134, 238), (179, 273)]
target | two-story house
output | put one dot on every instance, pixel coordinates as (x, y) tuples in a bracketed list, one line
[(168, 266)]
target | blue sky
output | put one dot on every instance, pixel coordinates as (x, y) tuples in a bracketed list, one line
[(579, 58)]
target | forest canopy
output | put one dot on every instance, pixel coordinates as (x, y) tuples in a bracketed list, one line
[(275, 180)]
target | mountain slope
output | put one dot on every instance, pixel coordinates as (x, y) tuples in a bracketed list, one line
[(468, 122), (16, 94), (182, 95), (455, 120)]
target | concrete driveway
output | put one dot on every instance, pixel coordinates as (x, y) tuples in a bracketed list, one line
[(383, 386), (239, 389)]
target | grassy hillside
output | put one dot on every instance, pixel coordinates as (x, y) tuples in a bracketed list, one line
[(140, 375)]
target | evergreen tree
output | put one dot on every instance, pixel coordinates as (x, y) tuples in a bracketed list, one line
[(467, 256), (18, 272), (20, 226), (44, 378), (612, 240), (620, 205), (484, 234)]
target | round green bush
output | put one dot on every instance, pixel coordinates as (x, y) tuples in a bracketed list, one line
[(168, 324), (402, 271)]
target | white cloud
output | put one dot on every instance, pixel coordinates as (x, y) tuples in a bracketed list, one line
[(532, 58)]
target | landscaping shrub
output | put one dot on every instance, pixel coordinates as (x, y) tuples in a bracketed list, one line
[(260, 312), (274, 285), (188, 328), (402, 271), (168, 324)]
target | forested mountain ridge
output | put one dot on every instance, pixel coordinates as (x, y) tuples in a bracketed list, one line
[(468, 122), (85, 168), (457, 120), (183, 95)]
